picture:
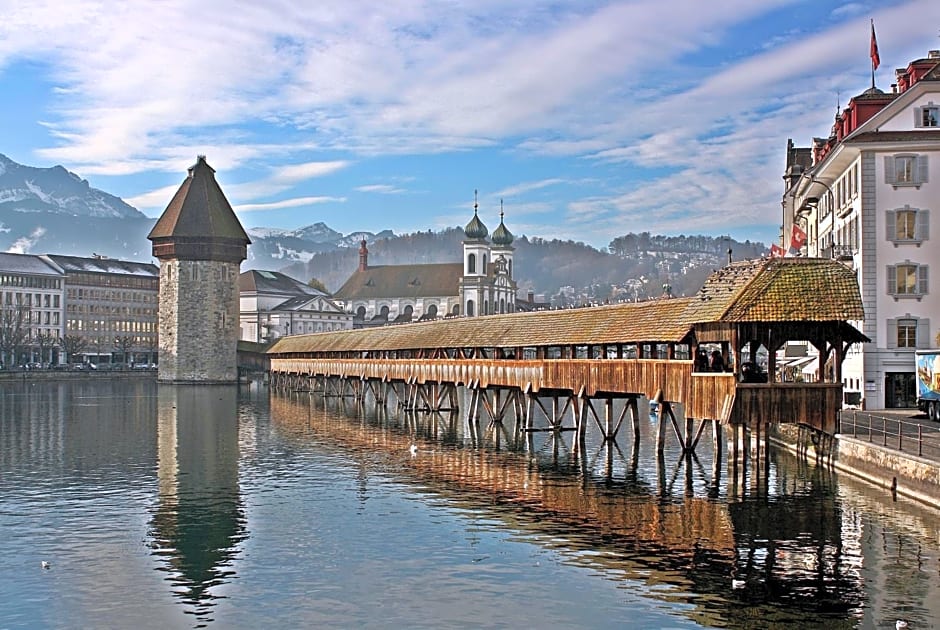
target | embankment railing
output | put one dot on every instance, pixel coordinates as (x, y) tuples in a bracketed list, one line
[(905, 435)]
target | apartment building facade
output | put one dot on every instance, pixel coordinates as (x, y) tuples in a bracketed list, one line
[(865, 195)]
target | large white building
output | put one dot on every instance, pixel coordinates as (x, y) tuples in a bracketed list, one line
[(32, 309), (274, 305), (864, 195)]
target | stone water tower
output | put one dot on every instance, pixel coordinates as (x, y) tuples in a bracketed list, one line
[(200, 245)]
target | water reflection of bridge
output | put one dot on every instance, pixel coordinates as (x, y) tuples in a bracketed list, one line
[(563, 370), (692, 544)]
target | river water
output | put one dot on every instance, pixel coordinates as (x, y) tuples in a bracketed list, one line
[(185, 506)]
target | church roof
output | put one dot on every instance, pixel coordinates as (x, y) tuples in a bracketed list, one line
[(402, 281), (476, 229), (199, 209), (502, 235), (260, 281)]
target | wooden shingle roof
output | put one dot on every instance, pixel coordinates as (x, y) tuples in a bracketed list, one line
[(648, 321), (780, 289)]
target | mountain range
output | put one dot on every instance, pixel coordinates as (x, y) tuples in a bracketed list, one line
[(51, 210)]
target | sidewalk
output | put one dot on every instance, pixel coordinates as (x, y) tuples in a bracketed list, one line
[(906, 430)]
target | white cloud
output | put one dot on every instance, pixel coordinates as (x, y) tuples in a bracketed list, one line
[(153, 200), (294, 173), (287, 203), (525, 187), (382, 189), (849, 9)]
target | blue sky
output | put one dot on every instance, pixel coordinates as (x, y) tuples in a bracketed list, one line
[(589, 118)]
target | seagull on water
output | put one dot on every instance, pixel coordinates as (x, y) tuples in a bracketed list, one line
[(737, 584), (900, 624), (413, 450), (46, 564)]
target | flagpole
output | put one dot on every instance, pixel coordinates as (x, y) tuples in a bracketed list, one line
[(873, 53)]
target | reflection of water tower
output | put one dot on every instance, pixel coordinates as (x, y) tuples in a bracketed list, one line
[(200, 245), (199, 520)]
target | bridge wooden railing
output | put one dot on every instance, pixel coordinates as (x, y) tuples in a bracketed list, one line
[(628, 376), (813, 404), (711, 395), (717, 396)]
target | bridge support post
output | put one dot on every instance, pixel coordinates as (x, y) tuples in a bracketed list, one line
[(635, 417)]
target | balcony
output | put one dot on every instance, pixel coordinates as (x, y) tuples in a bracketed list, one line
[(844, 253)]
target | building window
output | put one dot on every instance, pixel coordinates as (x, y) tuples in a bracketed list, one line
[(907, 225), (906, 170), (927, 116), (471, 263), (907, 280), (908, 332)]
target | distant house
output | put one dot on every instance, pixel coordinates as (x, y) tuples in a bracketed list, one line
[(480, 285), (275, 305)]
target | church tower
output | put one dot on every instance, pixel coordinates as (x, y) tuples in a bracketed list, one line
[(504, 287), (200, 245), (474, 293)]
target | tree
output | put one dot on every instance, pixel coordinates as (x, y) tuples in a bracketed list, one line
[(123, 344), (71, 345), (14, 331), (46, 340), (316, 284), (151, 343)]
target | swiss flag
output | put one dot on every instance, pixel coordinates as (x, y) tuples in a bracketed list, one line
[(797, 239), (776, 251), (875, 57)]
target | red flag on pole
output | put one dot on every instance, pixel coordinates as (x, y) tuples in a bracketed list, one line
[(776, 251), (797, 240), (875, 58)]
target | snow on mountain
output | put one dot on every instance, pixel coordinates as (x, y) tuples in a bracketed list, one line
[(318, 233), (56, 190)]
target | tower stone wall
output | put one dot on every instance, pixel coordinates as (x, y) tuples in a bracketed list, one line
[(198, 335)]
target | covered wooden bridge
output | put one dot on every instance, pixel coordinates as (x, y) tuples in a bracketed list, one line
[(700, 352)]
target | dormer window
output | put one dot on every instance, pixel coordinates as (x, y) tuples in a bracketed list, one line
[(927, 116)]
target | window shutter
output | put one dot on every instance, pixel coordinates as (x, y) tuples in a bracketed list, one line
[(918, 117), (921, 279), (923, 332), (891, 223), (922, 225), (889, 169), (921, 174), (892, 280), (892, 333)]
